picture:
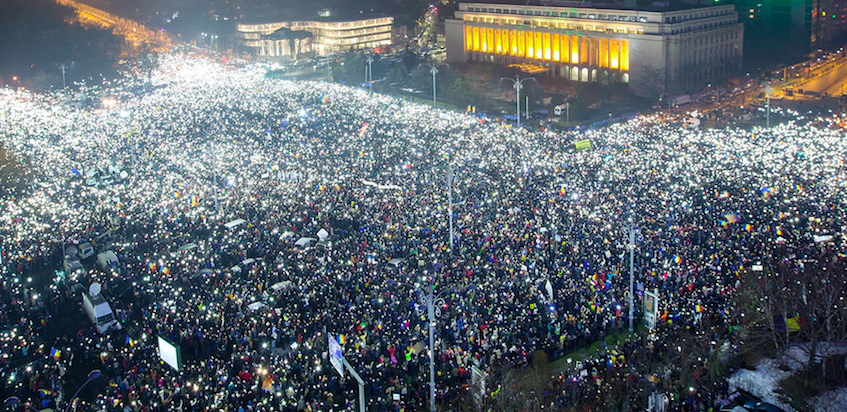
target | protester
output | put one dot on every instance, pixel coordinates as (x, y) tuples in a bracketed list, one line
[(156, 176)]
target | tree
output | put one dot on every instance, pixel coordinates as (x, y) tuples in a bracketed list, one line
[(654, 80), (459, 92), (37, 35), (795, 303)]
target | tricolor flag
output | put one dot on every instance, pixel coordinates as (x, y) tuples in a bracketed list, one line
[(130, 341), (55, 353), (363, 129)]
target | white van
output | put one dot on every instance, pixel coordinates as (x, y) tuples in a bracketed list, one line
[(106, 259), (85, 250), (99, 311)]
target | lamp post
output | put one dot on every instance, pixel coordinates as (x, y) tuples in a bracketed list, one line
[(433, 68), (632, 233), (215, 176), (431, 304), (568, 114), (63, 66), (768, 106), (13, 402), (369, 76), (450, 197), (518, 84), (91, 376)]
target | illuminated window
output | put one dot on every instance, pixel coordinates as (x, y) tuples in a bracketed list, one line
[(575, 49), (614, 45), (624, 54), (538, 46), (555, 47)]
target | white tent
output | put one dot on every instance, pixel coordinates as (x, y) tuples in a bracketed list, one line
[(396, 261), (255, 306), (276, 287), (188, 246), (304, 241), (234, 223), (287, 235), (323, 234)]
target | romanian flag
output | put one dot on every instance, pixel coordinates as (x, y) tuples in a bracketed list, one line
[(55, 353), (583, 144), (44, 392), (176, 195), (341, 339), (677, 259), (363, 129), (748, 227), (194, 200), (130, 341), (698, 308)]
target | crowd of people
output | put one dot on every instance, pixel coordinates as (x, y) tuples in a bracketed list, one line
[(538, 260)]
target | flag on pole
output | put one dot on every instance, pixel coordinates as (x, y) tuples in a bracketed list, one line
[(55, 353)]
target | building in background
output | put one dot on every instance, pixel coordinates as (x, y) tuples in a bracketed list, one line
[(318, 37), (667, 47), (780, 29)]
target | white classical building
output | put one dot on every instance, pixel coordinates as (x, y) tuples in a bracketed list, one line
[(328, 36), (665, 47)]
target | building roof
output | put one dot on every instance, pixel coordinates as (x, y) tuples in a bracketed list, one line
[(330, 19), (656, 6)]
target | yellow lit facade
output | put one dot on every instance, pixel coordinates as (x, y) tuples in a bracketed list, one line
[(549, 47), (599, 45)]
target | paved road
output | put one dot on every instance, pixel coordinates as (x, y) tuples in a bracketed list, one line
[(828, 83)]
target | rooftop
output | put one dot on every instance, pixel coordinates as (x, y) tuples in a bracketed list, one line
[(656, 6)]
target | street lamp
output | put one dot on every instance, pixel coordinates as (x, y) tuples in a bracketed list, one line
[(63, 66), (369, 76), (768, 105), (433, 68), (215, 176), (568, 114), (91, 376), (518, 84), (632, 233), (450, 197), (13, 401), (433, 303)]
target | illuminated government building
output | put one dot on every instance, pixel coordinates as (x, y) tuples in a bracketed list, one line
[(670, 45), (317, 37)]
